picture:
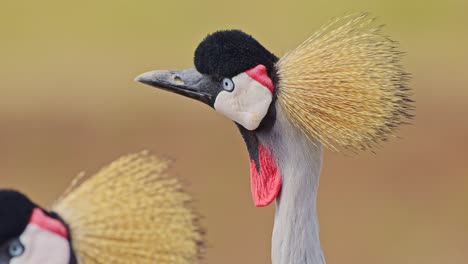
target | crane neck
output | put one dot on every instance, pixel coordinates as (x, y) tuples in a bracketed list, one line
[(296, 230)]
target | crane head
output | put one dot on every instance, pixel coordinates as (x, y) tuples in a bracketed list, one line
[(131, 211), (344, 87), (29, 234), (234, 74)]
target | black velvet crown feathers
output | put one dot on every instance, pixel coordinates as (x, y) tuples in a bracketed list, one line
[(229, 52), (15, 212)]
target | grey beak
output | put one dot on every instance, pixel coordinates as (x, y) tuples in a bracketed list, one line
[(185, 82)]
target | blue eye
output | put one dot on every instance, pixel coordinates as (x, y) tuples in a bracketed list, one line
[(228, 84), (15, 249)]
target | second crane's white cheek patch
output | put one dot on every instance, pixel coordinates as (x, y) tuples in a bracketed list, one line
[(44, 241), (247, 104), (42, 247)]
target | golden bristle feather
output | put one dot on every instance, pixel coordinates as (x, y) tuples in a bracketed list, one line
[(131, 212), (345, 85)]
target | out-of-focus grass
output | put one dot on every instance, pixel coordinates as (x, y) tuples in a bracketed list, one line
[(68, 102)]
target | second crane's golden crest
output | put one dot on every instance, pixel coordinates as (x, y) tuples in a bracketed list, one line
[(131, 212), (345, 85)]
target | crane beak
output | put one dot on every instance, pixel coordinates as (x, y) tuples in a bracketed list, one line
[(187, 82)]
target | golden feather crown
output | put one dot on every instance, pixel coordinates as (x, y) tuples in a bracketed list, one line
[(345, 86), (131, 212)]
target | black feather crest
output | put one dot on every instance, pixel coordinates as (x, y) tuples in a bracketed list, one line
[(15, 212), (227, 53)]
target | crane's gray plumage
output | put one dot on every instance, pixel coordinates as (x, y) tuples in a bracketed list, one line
[(296, 230)]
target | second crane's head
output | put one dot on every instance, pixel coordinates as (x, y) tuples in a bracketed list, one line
[(236, 76), (31, 235)]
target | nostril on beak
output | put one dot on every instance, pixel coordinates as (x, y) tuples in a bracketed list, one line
[(177, 80)]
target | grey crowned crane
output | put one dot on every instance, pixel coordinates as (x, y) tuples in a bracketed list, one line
[(343, 88), (129, 212)]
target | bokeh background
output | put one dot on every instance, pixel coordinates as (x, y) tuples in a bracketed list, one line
[(68, 103)]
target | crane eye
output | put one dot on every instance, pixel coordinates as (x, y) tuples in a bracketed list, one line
[(15, 249), (228, 84)]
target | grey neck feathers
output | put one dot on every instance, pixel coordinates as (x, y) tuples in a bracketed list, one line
[(296, 231)]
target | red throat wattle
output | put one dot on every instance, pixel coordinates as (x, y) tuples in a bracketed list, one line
[(265, 181)]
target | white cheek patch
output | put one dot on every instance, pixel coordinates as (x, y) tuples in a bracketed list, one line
[(247, 104), (42, 247)]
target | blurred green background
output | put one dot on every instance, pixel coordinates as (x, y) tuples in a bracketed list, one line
[(68, 103)]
